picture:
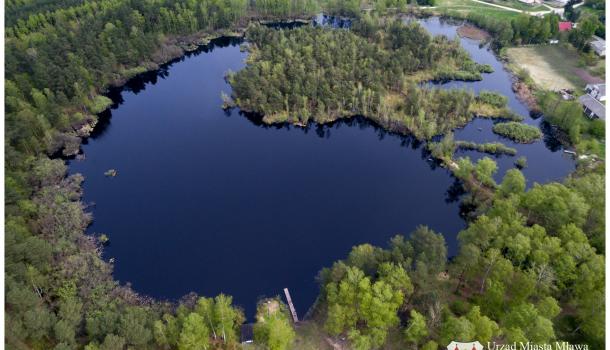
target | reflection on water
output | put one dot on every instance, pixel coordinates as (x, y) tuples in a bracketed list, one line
[(215, 201)]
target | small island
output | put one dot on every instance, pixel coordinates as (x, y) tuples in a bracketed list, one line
[(518, 132)]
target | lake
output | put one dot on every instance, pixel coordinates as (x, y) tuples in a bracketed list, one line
[(215, 202)]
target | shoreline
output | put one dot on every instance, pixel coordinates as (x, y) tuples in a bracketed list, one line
[(172, 50), (202, 40)]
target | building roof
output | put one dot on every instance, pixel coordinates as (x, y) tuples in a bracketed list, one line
[(598, 44), (601, 88), (593, 105), (565, 26)]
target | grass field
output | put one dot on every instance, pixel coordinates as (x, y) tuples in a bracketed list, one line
[(553, 67), (588, 10), (468, 6), (519, 5)]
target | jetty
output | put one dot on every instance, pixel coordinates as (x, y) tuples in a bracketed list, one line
[(293, 311)]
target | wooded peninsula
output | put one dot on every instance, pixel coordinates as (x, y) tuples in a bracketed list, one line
[(323, 74)]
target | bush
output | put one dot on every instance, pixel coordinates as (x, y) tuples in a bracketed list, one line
[(485, 68), (518, 132), (99, 104), (460, 307), (597, 128), (491, 148), (521, 163), (493, 98), (567, 115)]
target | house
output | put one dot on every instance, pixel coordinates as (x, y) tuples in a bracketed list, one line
[(599, 46), (565, 26), (598, 91), (592, 107)]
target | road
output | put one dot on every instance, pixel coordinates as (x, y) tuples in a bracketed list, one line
[(556, 10)]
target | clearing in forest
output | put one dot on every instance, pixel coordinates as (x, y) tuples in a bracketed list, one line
[(483, 8), (552, 67)]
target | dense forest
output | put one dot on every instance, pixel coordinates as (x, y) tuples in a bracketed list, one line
[(373, 70), (530, 267), (526, 271), (60, 57)]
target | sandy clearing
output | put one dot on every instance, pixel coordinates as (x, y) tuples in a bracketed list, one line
[(542, 71)]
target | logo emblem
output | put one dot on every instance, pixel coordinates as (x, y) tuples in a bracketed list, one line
[(475, 345)]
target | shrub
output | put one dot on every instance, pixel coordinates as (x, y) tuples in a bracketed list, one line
[(521, 163), (518, 132), (493, 98)]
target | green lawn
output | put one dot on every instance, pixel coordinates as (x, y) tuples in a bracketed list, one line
[(468, 6), (519, 5)]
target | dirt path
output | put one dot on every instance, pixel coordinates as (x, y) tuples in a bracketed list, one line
[(499, 6), (531, 13), (337, 345), (588, 78)]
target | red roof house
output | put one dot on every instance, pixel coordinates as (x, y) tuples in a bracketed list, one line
[(565, 26)]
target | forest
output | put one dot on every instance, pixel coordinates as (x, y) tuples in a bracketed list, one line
[(530, 267), (525, 271), (371, 70), (60, 58)]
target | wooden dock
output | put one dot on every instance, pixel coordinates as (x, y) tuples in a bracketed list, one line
[(295, 318)]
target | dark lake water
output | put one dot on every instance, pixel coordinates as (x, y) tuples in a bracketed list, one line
[(212, 201)]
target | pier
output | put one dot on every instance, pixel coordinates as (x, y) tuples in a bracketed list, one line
[(293, 311)]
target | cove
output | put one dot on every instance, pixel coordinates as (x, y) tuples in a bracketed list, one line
[(216, 202)]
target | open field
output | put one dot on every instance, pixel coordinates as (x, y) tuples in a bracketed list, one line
[(552, 67), (468, 6), (519, 5)]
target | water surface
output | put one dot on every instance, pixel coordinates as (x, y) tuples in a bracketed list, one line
[(214, 202)]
